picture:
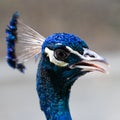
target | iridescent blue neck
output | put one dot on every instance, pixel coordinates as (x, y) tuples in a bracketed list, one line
[(53, 94)]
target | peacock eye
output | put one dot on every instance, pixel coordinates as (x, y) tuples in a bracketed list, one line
[(61, 54)]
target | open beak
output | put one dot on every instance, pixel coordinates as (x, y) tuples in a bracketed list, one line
[(91, 61)]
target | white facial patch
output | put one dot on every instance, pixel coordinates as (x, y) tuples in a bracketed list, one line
[(50, 54), (74, 52), (86, 54)]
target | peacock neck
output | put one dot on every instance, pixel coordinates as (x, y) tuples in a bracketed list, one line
[(54, 96)]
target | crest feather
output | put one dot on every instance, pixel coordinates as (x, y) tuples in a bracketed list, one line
[(23, 43)]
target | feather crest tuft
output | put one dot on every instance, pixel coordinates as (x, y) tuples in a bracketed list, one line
[(23, 43)]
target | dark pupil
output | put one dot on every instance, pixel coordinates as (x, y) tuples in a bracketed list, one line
[(60, 54)]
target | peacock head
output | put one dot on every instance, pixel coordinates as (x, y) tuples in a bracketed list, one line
[(68, 57), (64, 58)]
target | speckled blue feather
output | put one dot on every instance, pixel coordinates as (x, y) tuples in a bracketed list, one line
[(11, 40), (65, 39)]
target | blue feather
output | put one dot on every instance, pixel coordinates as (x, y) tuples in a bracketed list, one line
[(65, 39), (11, 40)]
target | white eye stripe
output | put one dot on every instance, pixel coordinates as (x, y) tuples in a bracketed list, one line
[(85, 52), (50, 54), (74, 52)]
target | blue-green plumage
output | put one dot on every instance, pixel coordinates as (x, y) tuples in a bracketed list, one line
[(54, 82), (64, 58)]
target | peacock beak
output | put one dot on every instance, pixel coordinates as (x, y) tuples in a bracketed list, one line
[(91, 61)]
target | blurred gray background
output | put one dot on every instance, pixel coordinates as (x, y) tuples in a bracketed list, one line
[(95, 96)]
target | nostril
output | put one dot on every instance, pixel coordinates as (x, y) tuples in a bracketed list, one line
[(87, 54), (92, 56)]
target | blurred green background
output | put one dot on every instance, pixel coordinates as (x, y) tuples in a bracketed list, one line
[(95, 96)]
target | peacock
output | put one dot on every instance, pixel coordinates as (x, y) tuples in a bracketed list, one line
[(63, 58)]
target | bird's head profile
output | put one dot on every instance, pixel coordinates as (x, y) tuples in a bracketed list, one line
[(64, 58), (69, 57)]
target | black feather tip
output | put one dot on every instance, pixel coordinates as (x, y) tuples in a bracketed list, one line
[(11, 40)]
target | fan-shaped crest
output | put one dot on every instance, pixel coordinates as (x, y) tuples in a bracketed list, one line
[(23, 43)]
